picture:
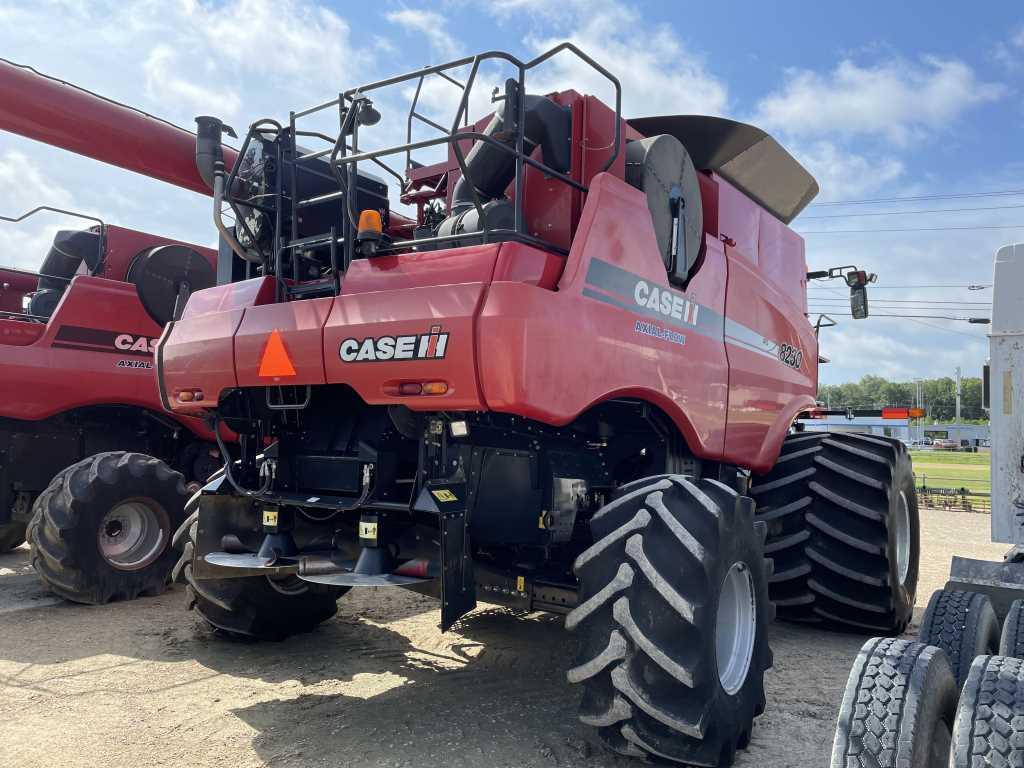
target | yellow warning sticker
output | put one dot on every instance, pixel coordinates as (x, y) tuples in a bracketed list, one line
[(270, 517), (444, 495), (520, 584), (367, 530)]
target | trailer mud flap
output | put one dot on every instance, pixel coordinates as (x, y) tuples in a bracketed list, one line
[(458, 586)]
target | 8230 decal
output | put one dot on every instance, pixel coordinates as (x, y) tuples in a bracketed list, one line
[(791, 356)]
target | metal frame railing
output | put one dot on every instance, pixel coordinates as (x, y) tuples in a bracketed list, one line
[(344, 156), (101, 246)]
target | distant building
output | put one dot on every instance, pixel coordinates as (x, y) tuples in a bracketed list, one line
[(901, 429)]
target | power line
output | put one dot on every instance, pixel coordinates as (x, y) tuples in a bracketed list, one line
[(912, 213), (969, 287), (908, 229), (916, 198), (905, 317), (946, 330), (913, 301)]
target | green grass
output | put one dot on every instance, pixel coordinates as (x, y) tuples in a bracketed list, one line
[(948, 469)]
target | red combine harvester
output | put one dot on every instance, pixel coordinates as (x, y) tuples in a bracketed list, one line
[(561, 387), (83, 436)]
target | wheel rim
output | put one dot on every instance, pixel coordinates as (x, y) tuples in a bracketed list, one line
[(735, 627), (902, 535), (133, 534)]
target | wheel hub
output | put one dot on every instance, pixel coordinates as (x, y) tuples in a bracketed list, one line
[(133, 534), (735, 627), (902, 536)]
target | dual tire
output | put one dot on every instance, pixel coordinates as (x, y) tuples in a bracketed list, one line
[(843, 530), (672, 618)]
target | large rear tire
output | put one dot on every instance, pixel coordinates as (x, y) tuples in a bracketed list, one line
[(989, 728), (898, 708), (254, 608), (843, 529), (101, 530), (673, 618), (964, 625)]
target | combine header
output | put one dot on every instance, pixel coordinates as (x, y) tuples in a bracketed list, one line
[(561, 387)]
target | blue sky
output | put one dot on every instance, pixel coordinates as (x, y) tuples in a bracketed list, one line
[(878, 100)]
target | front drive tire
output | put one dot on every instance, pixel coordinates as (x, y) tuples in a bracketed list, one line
[(254, 607), (101, 530), (673, 618), (844, 529)]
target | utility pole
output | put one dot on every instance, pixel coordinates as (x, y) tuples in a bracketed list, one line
[(957, 396)]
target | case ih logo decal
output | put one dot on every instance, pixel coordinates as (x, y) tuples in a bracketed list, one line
[(676, 312), (668, 303), (427, 346), (99, 340)]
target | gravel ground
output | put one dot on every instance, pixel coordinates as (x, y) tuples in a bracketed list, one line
[(142, 683)]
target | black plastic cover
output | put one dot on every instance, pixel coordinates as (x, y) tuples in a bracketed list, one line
[(743, 155)]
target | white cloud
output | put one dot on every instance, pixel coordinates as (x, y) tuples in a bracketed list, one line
[(23, 186), (896, 100), (659, 75), (844, 175), (431, 25)]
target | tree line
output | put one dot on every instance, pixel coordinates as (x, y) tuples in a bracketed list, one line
[(938, 396)]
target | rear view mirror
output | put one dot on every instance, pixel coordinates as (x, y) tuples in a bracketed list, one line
[(859, 301)]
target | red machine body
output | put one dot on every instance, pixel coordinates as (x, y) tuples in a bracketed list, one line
[(531, 333), (60, 114), (96, 347)]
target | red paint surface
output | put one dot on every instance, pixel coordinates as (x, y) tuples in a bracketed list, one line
[(64, 116), (523, 337), (39, 378)]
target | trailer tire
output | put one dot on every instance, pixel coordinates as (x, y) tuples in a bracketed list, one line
[(253, 607), (101, 530), (673, 618), (898, 708), (989, 729), (963, 624), (12, 536), (848, 554), (1011, 640)]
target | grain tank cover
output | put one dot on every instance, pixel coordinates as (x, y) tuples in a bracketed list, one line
[(743, 155)]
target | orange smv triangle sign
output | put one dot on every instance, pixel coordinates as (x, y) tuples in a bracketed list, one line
[(275, 360)]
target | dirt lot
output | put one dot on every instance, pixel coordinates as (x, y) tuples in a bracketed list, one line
[(143, 684)]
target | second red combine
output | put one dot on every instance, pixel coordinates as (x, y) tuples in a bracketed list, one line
[(560, 387)]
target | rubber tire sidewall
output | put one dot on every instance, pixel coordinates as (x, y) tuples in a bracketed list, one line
[(85, 504), (904, 593)]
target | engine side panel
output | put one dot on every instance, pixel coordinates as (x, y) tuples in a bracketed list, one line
[(551, 356)]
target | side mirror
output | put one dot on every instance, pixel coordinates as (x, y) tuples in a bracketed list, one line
[(858, 281), (859, 301)]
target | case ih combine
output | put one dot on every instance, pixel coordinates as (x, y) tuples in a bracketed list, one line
[(562, 387), (79, 404)]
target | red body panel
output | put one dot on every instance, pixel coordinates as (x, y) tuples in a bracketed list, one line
[(60, 114), (95, 349), (518, 342)]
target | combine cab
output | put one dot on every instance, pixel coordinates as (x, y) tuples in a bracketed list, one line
[(80, 419), (559, 387)]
